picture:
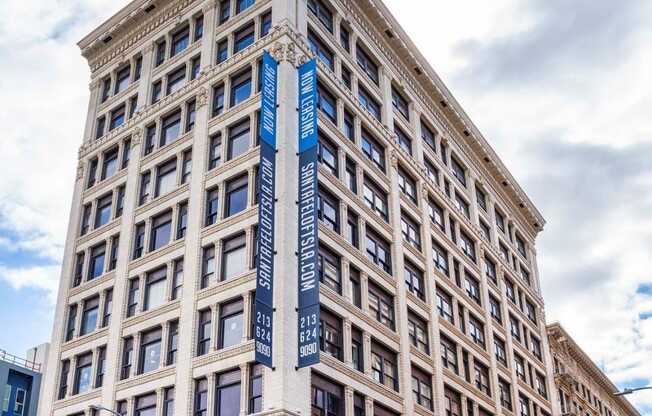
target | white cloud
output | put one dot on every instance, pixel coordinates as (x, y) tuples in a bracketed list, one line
[(43, 278)]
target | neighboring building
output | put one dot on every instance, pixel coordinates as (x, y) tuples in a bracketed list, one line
[(430, 291), (20, 380), (582, 388)]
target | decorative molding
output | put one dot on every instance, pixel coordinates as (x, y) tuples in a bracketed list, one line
[(202, 97)]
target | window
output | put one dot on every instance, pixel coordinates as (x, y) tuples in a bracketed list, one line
[(504, 252), (236, 195), (490, 270), (157, 91), (180, 41), (239, 138), (166, 177), (373, 150), (369, 103), (367, 65), (120, 201), (215, 151), (329, 269), (83, 373), (452, 402), (204, 332), (79, 269), (481, 198), (103, 210), (150, 138), (436, 214), (499, 351), (168, 401), (231, 324), (330, 334), (173, 343), (352, 229), (404, 140), (90, 315), (255, 388), (354, 282), (428, 136), (400, 103), (326, 103), (459, 171), (476, 330), (510, 291), (482, 377), (92, 173), (266, 24), (243, 38), (467, 245), (376, 199), (440, 257), (378, 251), (110, 163), (240, 87), (540, 386), (345, 38), (381, 306), (445, 305), (414, 280), (195, 67), (212, 206), (127, 357), (422, 388), (448, 354), (320, 50), (346, 77), (531, 311), (191, 112), (536, 347), (407, 185), (208, 266), (520, 246), (146, 405), (525, 275), (133, 297), (418, 332), (524, 405), (323, 13), (242, 5), (96, 265), (462, 206), (108, 308), (515, 328), (519, 364), (500, 221), (161, 231), (176, 80), (225, 10), (155, 287), (99, 127), (328, 210), (505, 393), (144, 188), (227, 393), (327, 154), (234, 261), (139, 240), (63, 380), (411, 231), (150, 351), (383, 366), (72, 320), (117, 117), (495, 310), (106, 88), (472, 287), (357, 349), (201, 396), (182, 220), (349, 125), (199, 28), (171, 128)]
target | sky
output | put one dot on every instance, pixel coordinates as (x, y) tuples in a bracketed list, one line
[(561, 89)]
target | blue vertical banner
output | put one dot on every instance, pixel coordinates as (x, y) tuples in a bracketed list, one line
[(308, 239), (264, 307)]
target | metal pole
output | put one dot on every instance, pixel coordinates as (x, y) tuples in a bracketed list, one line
[(99, 408), (630, 391)]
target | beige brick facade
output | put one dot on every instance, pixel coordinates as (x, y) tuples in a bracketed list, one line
[(582, 388), (428, 242)]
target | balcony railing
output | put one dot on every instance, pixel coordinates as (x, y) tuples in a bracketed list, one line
[(21, 362)]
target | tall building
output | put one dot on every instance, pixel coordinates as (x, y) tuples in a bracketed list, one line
[(20, 379), (429, 300), (582, 388)]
